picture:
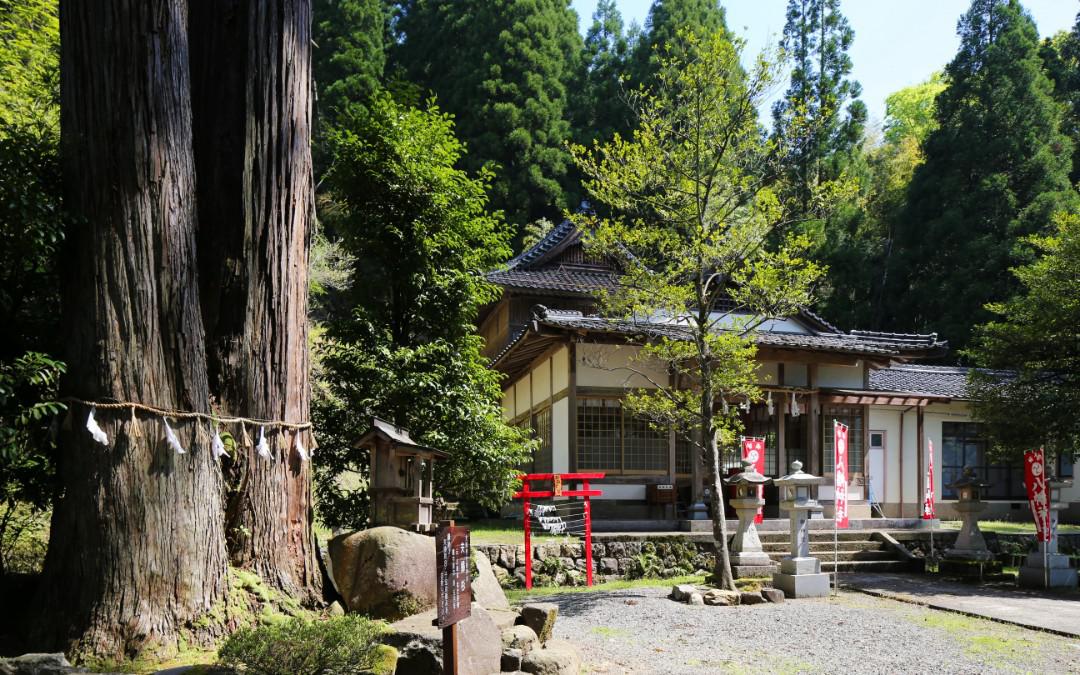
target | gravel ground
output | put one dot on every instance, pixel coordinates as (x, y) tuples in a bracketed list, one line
[(642, 631)]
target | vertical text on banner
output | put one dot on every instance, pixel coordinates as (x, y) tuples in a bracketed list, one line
[(754, 450), (1038, 497), (840, 473)]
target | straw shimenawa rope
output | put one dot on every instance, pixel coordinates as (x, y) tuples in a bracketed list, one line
[(187, 415)]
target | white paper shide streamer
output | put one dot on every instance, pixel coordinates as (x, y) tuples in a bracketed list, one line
[(262, 447), (171, 439), (97, 432), (217, 446), (300, 448)]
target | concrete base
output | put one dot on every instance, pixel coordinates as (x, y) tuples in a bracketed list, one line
[(753, 571), (1060, 574), (802, 585), (751, 558), (800, 566)]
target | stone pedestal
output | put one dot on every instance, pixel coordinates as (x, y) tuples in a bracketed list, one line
[(800, 574), (970, 544), (801, 578), (1046, 567), (747, 557)]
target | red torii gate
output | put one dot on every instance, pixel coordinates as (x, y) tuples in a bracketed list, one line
[(557, 490)]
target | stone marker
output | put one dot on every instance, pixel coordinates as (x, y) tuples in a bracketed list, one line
[(720, 597), (419, 643), (385, 572), (540, 616), (520, 637), (558, 657), (485, 587), (772, 594), (800, 574)]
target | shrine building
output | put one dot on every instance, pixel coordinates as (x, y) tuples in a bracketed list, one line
[(567, 372)]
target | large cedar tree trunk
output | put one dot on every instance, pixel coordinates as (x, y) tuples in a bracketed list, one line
[(252, 92), (137, 549)]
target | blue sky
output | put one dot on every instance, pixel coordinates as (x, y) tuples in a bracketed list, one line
[(897, 42)]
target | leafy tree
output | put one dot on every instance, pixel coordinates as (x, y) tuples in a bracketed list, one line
[(600, 108), (1061, 57), (666, 18), (858, 244), (352, 39), (405, 348), (692, 215), (810, 118), (501, 67), (29, 63), (1035, 335), (996, 170)]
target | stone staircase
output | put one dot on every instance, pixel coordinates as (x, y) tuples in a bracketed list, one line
[(857, 551)]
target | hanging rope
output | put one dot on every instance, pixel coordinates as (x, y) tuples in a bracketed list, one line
[(565, 518), (188, 415)]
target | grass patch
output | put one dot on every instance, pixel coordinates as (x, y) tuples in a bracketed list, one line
[(519, 594), (346, 644), (1009, 527), (609, 633), (983, 639), (507, 531)]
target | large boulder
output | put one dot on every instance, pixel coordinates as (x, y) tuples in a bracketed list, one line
[(558, 657), (419, 643), (37, 664), (385, 572), (540, 616), (485, 587)]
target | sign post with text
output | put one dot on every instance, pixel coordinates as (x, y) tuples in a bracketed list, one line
[(840, 493), (452, 588)]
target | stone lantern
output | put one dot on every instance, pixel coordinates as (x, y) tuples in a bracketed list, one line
[(800, 575), (402, 477), (1056, 573), (970, 544), (747, 557)]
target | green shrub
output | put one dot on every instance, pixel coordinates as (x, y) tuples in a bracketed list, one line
[(336, 646)]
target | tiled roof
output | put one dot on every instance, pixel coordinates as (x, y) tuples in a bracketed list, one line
[(877, 344), (555, 279), (918, 379), (553, 238)]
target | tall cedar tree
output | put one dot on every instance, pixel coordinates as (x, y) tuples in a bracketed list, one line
[(405, 348), (251, 102), (666, 18), (139, 548), (693, 212), (1061, 55), (811, 119), (996, 170), (600, 106), (502, 68), (1035, 335), (349, 58)]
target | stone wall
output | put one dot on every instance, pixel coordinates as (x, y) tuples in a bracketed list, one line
[(627, 557), (1001, 544)]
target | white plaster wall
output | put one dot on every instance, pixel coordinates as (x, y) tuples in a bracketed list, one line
[(541, 382), (849, 377), (622, 492), (560, 370), (888, 420), (508, 403), (560, 436), (768, 372), (523, 397), (795, 374), (607, 366)]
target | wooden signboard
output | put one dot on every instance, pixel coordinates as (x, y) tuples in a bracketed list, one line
[(452, 569)]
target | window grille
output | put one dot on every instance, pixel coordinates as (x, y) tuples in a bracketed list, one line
[(541, 428), (853, 418), (610, 439), (964, 444)]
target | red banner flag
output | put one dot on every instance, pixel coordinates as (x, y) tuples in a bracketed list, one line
[(840, 474), (928, 512), (754, 450), (1038, 496)]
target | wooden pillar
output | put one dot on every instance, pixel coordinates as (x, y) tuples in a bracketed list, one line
[(813, 409), (920, 469), (571, 402), (781, 439)]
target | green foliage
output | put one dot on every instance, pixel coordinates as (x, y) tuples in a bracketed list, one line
[(599, 105), (666, 19), (502, 67), (1061, 58), (692, 215), (351, 39), (1036, 335), (400, 342), (910, 112), (996, 170), (809, 119), (29, 64), (340, 645)]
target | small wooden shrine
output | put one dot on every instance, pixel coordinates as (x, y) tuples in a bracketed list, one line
[(402, 477)]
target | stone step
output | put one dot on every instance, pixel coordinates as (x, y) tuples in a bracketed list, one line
[(842, 555), (867, 566), (818, 535), (815, 546)]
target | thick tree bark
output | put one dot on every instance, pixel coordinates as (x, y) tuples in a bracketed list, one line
[(137, 551), (252, 117)]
